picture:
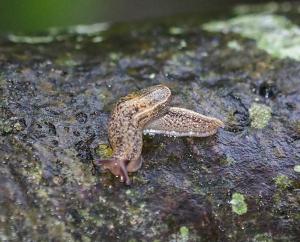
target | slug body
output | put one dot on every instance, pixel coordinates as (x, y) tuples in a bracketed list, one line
[(148, 111), (125, 129)]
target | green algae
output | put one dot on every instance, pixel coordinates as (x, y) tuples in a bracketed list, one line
[(260, 115), (274, 34), (283, 182), (238, 204)]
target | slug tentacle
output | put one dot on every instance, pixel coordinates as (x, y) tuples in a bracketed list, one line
[(117, 167), (134, 165)]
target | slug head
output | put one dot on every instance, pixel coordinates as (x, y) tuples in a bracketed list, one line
[(150, 98), (116, 167)]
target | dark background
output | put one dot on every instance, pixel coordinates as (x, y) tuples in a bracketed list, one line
[(37, 15)]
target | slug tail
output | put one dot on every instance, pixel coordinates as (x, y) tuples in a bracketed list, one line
[(116, 167)]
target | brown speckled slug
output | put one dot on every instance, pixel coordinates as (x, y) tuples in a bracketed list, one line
[(148, 111)]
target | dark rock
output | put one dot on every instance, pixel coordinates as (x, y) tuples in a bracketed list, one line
[(60, 93)]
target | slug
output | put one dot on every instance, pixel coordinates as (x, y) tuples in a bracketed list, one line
[(149, 111)]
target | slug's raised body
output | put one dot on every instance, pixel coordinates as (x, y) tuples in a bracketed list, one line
[(148, 111), (126, 125)]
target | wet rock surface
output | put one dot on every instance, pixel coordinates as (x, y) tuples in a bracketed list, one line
[(55, 103)]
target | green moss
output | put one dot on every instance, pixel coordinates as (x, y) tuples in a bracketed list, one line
[(239, 206), (262, 238), (2, 81), (35, 174), (283, 182), (296, 126), (104, 151), (132, 240), (260, 115), (228, 160), (57, 229), (66, 60), (5, 126), (3, 103), (42, 193), (89, 218), (183, 235), (184, 232), (273, 33), (84, 238)]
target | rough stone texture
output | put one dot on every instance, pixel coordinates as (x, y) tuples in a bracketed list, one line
[(55, 102)]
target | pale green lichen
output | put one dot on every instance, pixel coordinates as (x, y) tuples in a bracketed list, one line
[(233, 44), (176, 30), (97, 39), (270, 7), (30, 39), (275, 34), (54, 34), (282, 182), (260, 115), (89, 29), (18, 126), (297, 168), (238, 204)]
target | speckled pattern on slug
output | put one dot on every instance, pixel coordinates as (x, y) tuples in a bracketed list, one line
[(148, 110), (126, 124)]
